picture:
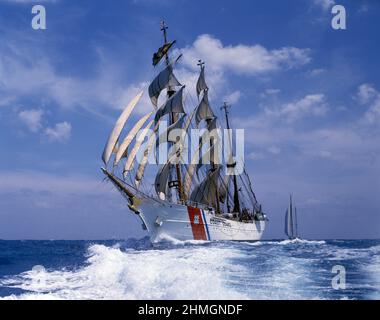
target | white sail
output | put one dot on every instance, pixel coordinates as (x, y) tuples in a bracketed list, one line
[(289, 221), (115, 134), (173, 105), (136, 147), (204, 111), (201, 83), (129, 138), (165, 79), (206, 191), (144, 160)]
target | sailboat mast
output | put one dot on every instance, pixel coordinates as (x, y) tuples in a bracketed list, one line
[(291, 217), (236, 190), (296, 221), (181, 197)]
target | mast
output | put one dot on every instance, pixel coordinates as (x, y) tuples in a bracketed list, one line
[(173, 119), (296, 221), (236, 190), (201, 64), (291, 217)]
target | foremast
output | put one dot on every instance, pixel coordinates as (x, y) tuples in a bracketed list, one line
[(173, 117)]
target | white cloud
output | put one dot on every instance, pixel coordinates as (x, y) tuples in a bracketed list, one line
[(29, 1), (368, 96), (372, 115), (316, 72), (242, 59), (274, 150), (270, 93), (366, 92), (233, 97), (313, 104), (44, 182), (60, 132), (256, 156), (21, 75), (32, 119), (324, 4)]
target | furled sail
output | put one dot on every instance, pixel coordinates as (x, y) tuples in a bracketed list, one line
[(115, 134), (204, 111), (205, 192), (201, 83), (173, 105), (140, 139), (129, 138), (165, 79)]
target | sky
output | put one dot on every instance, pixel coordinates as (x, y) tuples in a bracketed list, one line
[(308, 97)]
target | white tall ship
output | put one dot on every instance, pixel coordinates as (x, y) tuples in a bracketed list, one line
[(199, 200)]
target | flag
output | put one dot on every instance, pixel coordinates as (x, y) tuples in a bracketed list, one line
[(161, 52)]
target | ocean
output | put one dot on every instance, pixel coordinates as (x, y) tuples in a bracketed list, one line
[(136, 269)]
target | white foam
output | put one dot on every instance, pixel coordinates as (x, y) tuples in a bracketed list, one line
[(176, 242), (180, 273)]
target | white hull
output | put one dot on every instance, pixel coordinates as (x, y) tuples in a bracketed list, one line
[(182, 222)]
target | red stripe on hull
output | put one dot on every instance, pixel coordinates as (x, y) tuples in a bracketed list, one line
[(197, 225)]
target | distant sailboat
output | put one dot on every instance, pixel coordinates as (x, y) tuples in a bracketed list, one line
[(291, 223)]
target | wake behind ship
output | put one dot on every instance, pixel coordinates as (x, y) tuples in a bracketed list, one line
[(207, 198)]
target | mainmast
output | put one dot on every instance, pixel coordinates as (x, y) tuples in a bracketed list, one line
[(201, 64), (236, 208), (178, 182)]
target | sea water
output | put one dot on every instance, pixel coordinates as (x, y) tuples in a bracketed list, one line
[(137, 269)]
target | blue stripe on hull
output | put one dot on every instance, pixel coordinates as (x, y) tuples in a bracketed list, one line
[(206, 226)]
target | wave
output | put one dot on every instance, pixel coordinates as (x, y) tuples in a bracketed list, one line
[(285, 242), (111, 273)]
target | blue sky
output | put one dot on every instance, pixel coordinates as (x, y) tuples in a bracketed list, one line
[(308, 97)]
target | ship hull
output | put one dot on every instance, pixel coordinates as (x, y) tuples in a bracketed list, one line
[(165, 220)]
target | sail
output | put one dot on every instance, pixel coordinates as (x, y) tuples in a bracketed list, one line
[(115, 134), (209, 155), (289, 221), (204, 111), (223, 191), (136, 147), (295, 223), (287, 226), (165, 79), (161, 182), (129, 138), (145, 157), (165, 136), (173, 105), (201, 83), (205, 192)]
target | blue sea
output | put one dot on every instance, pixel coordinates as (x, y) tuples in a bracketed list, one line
[(136, 269)]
